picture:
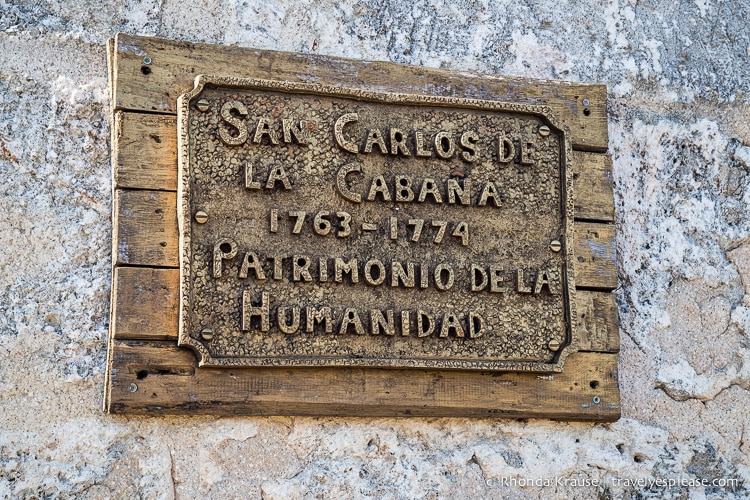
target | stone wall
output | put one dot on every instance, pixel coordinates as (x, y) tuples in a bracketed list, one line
[(679, 82)]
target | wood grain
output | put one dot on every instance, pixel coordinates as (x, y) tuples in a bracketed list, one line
[(146, 235), (598, 321), (145, 151), (166, 380), (595, 261), (592, 187), (145, 155), (145, 303), (155, 87), (144, 298), (145, 228)]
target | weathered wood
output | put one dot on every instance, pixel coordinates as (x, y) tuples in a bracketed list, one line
[(174, 65), (592, 182), (144, 300), (595, 264), (598, 321), (145, 303), (145, 151), (145, 228), (146, 235), (167, 381)]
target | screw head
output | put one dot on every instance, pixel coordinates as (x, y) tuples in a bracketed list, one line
[(202, 105), (597, 400), (207, 334), (585, 102), (133, 388), (201, 217), (544, 130), (553, 345), (146, 60), (555, 246)]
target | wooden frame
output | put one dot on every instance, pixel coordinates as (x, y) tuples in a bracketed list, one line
[(148, 374)]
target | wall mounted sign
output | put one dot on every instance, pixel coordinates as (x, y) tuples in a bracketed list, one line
[(311, 235)]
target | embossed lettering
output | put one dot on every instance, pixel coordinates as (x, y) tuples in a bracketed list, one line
[(341, 182), (278, 174), (281, 316), (450, 322), (399, 274), (444, 146), (404, 191), (478, 278), (297, 132), (463, 192), (369, 266), (374, 137), (226, 115), (505, 150), (338, 131), (398, 142), (429, 187), (469, 140), (223, 250), (249, 311), (351, 318), (264, 128), (251, 262), (489, 192), (318, 316), (378, 185), (425, 324), (300, 268), (341, 267), (421, 151), (475, 321), (379, 323), (444, 277)]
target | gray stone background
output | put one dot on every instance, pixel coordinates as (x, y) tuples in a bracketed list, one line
[(679, 83)]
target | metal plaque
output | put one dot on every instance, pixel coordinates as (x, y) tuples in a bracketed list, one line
[(330, 226)]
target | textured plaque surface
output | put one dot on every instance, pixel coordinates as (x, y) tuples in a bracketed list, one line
[(326, 226)]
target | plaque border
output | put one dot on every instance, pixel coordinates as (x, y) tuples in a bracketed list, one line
[(184, 219)]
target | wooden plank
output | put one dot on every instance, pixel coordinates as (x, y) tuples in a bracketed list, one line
[(598, 321), (145, 228), (592, 187), (160, 378), (145, 303), (145, 151), (174, 65), (595, 264), (146, 235)]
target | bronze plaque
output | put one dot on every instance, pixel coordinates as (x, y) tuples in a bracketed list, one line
[(331, 226)]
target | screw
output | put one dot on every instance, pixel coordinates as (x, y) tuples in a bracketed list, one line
[(555, 246), (597, 400), (553, 345), (585, 102), (202, 105), (146, 60), (207, 334), (544, 130), (201, 217), (133, 387)]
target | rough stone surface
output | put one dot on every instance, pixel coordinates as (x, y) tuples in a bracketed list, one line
[(679, 80)]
